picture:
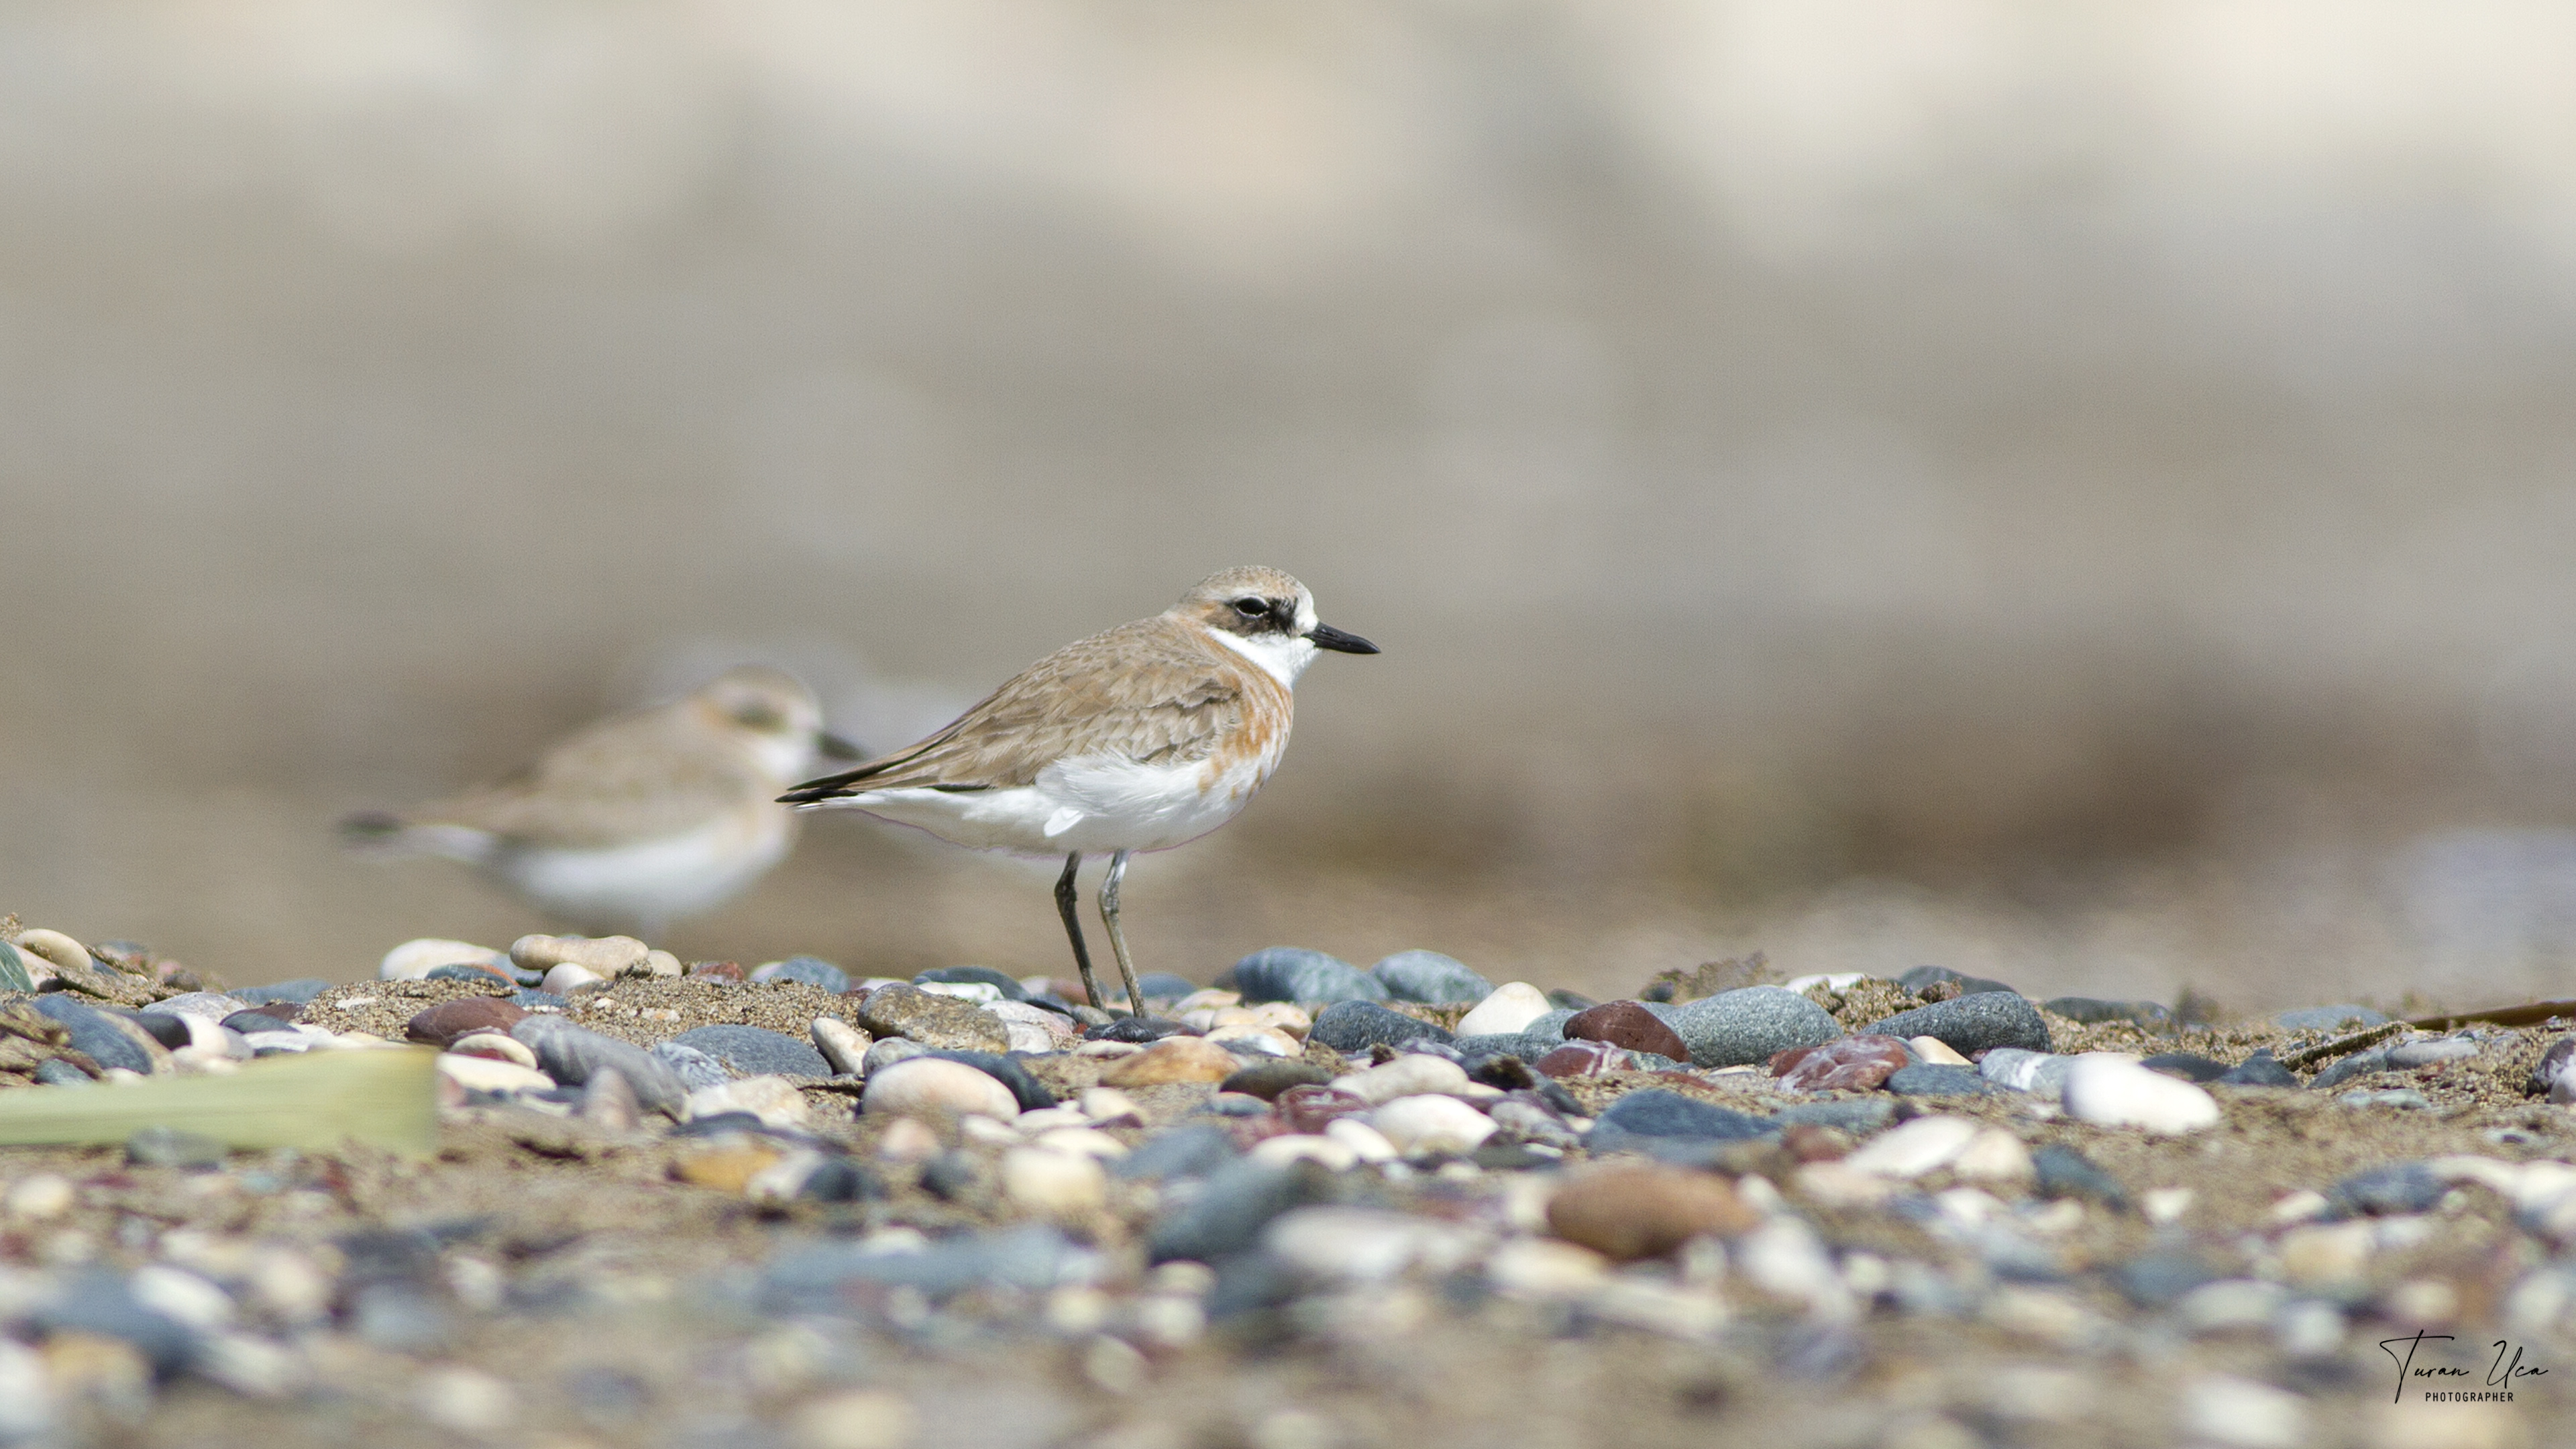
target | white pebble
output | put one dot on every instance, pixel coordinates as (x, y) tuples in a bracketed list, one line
[(1512, 1006), (2244, 1414), (773, 1099), (1057, 1184), (2163, 1205), (55, 947), (1047, 1119), (491, 1074), (1411, 1075), (1076, 1141), (1021, 1036), (1303, 1147), (570, 977), (1932, 1051), (1364, 1245), (178, 1294), (978, 993), (1993, 1155), (1268, 1040), (466, 1400), (1544, 1268), (1366, 1142), (844, 1046), (499, 1046), (936, 1084), (41, 1196), (1108, 1106), (906, 1140), (859, 1419), (1918, 1147), (1422, 1124), (2115, 1092), (607, 955), (413, 960)]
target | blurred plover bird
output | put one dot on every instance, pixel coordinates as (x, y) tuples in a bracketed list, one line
[(641, 818), (1145, 737)]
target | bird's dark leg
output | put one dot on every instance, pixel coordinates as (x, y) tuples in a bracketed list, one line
[(1117, 941), (1068, 906)]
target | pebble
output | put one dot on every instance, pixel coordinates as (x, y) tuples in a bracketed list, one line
[(772, 1099), (1750, 1024), (570, 1053), (2243, 1414), (2261, 1069), (1972, 1024), (1355, 1026), (413, 960), (1311, 1109), (209, 1005), (2112, 1091), (491, 1074), (2396, 1187), (2329, 1018), (608, 1102), (2555, 1074), (973, 993), (1416, 1126), (1939, 1081), (1430, 978), (442, 1024), (752, 1051), (1258, 1041), (888, 1051), (853, 1419), (810, 970), (844, 1047), (105, 1038), (916, 1015), (1584, 1059), (2151, 1015), (18, 974), (1919, 977), (2062, 1172), (1237, 1201), (695, 1068), (1627, 1024), (2188, 1066), (497, 1045), (1293, 973), (2403, 1099), (1003, 984), (2433, 1051), (607, 955), (1931, 1051), (1133, 1030), (935, 1085), (1508, 1009), (1363, 1245), (1173, 1059), (1662, 1123), (1918, 1147), (1626, 1213), (291, 993), (169, 1147), (1109, 1107), (568, 978), (1409, 1075), (1025, 1089), (1852, 1063), (2359, 1064), (2025, 1071)]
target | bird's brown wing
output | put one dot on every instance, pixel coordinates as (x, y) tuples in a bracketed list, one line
[(1147, 691), (639, 776)]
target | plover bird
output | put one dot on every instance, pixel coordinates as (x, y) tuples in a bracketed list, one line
[(1145, 737), (638, 819)]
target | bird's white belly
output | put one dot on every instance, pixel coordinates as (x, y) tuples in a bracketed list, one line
[(1088, 803), (653, 881)]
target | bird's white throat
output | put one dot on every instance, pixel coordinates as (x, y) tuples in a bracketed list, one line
[(1282, 656)]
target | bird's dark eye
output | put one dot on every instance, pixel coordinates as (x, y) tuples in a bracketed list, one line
[(1252, 608)]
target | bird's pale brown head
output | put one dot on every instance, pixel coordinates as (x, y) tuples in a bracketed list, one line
[(1271, 613)]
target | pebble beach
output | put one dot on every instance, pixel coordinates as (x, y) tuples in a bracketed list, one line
[(1297, 1205)]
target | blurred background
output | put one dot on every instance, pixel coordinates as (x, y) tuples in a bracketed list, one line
[(2084, 494)]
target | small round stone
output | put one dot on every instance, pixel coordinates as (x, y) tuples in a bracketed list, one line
[(1749, 1024), (772, 1099), (844, 1047), (936, 1021), (500, 1046), (607, 955), (755, 1051), (1293, 973), (1852, 1064), (1430, 978), (2113, 1091), (1409, 1075), (1173, 1059), (1974, 1023), (1054, 1184), (442, 1024), (1509, 1009), (1626, 1213), (1267, 1080), (1424, 1124), (811, 970), (1355, 1026), (567, 978), (932, 1085), (413, 960)]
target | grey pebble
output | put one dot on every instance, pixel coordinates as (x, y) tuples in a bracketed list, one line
[(2090, 1011), (170, 1147), (931, 1019), (1355, 1026), (753, 1051), (1921, 976), (97, 1034), (697, 1069), (1293, 973), (1939, 1079), (2061, 1171), (1238, 1201), (1749, 1024), (811, 970), (885, 1051), (2405, 1099), (1668, 1124), (570, 1053), (1551, 1024), (55, 1072), (2437, 1049), (2260, 1070), (2396, 1187), (1164, 986), (2189, 1066), (1000, 981), (2359, 1064), (300, 991), (97, 1302), (1972, 1024), (2556, 1065), (2026, 1071), (815, 1279), (1182, 1152), (212, 1005), (2158, 1278), (1529, 1046), (1852, 1114), (1430, 978)]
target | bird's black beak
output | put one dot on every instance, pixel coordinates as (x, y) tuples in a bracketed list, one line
[(832, 747), (1328, 637)]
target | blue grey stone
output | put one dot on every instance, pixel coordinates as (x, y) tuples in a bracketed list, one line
[(1293, 973), (1749, 1024), (812, 971), (97, 1302), (2190, 1066), (885, 1051), (1431, 978), (55, 1072), (1000, 981), (1229, 1212), (1529, 1046), (696, 1070), (2403, 1099), (2026, 1071), (1851, 1114), (816, 1280), (1655, 1121), (570, 1054), (1025, 1089), (170, 1147), (1181, 1152), (1921, 976), (1164, 986), (171, 1031), (96, 1034), (1355, 1026), (2431, 1052), (2359, 1064), (1134, 1029), (2159, 1278), (13, 970), (212, 1005), (2396, 1187), (462, 972), (2328, 1018), (300, 991), (1972, 1024), (2260, 1070), (1939, 1079), (1551, 1024), (752, 1051), (2064, 1172), (527, 1000), (2086, 1009)]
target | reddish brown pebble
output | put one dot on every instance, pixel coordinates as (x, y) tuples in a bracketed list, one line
[(1311, 1109), (1582, 1059), (729, 970), (1808, 1142), (1627, 1024), (1627, 1213), (447, 1021), (1853, 1063)]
